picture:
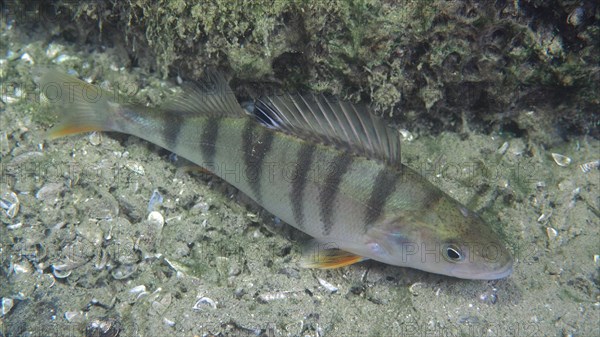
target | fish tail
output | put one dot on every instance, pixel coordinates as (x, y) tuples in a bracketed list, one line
[(85, 107)]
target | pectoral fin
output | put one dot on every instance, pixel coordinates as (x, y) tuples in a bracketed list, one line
[(327, 256)]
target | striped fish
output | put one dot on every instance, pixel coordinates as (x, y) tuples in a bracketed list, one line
[(327, 167)]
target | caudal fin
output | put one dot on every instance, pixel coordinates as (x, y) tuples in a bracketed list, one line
[(85, 107)]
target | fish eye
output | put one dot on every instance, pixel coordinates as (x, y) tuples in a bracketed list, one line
[(453, 253)]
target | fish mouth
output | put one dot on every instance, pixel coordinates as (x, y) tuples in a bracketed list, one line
[(495, 274), (499, 274)]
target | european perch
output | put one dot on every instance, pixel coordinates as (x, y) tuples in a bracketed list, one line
[(327, 167)]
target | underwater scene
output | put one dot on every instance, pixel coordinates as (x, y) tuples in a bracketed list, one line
[(300, 168)]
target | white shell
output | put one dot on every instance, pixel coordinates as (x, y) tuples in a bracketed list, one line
[(156, 219), (168, 322), (7, 304), (502, 149), (53, 50), (587, 167), (27, 58), (135, 167), (10, 202), (202, 302), (330, 287), (137, 289), (561, 160), (407, 136), (73, 316), (95, 138), (551, 232)]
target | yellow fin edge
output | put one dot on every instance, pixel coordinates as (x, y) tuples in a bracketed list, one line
[(329, 259), (66, 130)]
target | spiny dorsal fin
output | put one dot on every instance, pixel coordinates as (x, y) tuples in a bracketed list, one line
[(352, 127), (210, 96)]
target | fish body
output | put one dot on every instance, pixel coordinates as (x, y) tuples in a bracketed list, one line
[(326, 167)]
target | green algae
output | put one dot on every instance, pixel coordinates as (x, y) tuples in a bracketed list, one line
[(435, 64)]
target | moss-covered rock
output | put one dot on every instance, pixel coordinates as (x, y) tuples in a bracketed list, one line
[(432, 66)]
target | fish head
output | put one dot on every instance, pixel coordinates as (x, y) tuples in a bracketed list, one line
[(446, 238)]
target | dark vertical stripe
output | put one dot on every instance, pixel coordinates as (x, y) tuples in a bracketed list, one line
[(171, 130), (331, 186), (257, 142), (299, 176), (210, 132), (383, 187)]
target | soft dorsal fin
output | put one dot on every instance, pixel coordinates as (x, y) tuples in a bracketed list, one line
[(350, 126), (210, 96)]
